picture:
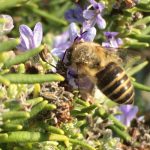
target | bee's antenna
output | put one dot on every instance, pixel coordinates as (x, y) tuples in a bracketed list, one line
[(64, 55), (53, 66)]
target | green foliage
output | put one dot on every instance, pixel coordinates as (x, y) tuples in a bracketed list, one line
[(29, 120)]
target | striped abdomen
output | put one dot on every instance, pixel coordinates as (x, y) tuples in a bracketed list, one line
[(115, 84)]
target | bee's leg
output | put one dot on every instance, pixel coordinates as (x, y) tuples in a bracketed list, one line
[(85, 87), (87, 97)]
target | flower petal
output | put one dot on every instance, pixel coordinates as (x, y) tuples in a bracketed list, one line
[(89, 35), (132, 113), (88, 14), (106, 44), (119, 41), (75, 15), (113, 43), (79, 13), (97, 6), (73, 32), (128, 114), (27, 36), (22, 45), (66, 45), (121, 118), (37, 34), (100, 6), (25, 31), (126, 108), (61, 39), (93, 2), (8, 24), (109, 35), (58, 52), (69, 15), (89, 23), (101, 22), (126, 121)]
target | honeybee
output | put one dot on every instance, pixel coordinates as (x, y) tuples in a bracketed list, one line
[(101, 67)]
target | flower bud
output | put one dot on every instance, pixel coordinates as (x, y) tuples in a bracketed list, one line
[(6, 24)]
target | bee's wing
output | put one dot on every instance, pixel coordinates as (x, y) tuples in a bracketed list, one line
[(129, 58)]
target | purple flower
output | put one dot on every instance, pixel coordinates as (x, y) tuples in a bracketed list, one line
[(112, 41), (94, 16), (61, 43), (72, 35), (75, 15), (30, 39), (7, 25), (128, 114)]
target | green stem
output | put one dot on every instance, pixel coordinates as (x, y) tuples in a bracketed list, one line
[(8, 45), (23, 57), (32, 78), (57, 2), (4, 5), (24, 136), (4, 71), (18, 148), (50, 107), (11, 127), (144, 20), (102, 113), (14, 105), (81, 123), (141, 86), (81, 102), (137, 45), (58, 137), (146, 30), (143, 10), (36, 90), (145, 7), (48, 16), (37, 108), (15, 115), (82, 144), (130, 43), (54, 130), (21, 68), (3, 136), (137, 68), (88, 109), (34, 101), (117, 122), (141, 38), (120, 133), (76, 113), (83, 110), (4, 80)]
